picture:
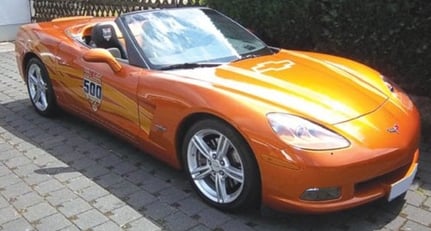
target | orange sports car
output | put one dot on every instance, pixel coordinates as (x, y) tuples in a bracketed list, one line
[(250, 124)]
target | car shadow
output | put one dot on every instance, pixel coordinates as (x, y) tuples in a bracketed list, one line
[(66, 136)]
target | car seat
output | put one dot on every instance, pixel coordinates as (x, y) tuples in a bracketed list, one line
[(105, 36)]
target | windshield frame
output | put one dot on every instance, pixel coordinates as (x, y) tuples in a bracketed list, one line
[(135, 51)]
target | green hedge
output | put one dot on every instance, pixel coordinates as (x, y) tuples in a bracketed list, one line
[(392, 36)]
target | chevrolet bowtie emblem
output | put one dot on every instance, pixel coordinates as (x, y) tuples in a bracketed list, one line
[(394, 129)]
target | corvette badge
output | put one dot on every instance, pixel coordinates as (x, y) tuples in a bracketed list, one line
[(394, 129)]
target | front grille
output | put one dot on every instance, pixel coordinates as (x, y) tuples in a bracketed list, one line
[(387, 179)]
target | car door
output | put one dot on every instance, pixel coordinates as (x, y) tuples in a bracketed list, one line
[(95, 91)]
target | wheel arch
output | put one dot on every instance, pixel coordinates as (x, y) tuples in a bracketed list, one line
[(26, 58)]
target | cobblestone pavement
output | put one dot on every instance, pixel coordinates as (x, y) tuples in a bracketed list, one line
[(66, 174)]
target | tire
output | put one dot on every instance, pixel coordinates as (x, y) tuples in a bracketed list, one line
[(39, 88), (221, 166)]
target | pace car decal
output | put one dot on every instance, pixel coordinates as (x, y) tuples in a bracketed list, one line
[(92, 87), (273, 66)]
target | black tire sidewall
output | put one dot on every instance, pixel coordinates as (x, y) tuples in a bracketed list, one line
[(50, 97), (250, 194)]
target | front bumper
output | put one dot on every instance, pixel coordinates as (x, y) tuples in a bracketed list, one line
[(359, 184)]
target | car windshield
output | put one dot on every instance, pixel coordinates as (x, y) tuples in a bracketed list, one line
[(191, 37)]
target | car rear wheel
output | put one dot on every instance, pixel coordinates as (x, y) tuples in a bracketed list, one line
[(221, 166), (39, 88)]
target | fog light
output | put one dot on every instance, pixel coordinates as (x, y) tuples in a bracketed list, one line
[(321, 194)]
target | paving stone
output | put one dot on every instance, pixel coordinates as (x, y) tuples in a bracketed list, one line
[(28, 149), (70, 158), (427, 204), (79, 183), (26, 200), (7, 214), (108, 203), (9, 179), (70, 228), (158, 211), (17, 224), (15, 190), (109, 179), (96, 153), (17, 161), (396, 223), (3, 202), (45, 160), (109, 161), (140, 199), (74, 207), (191, 205), (108, 226), (59, 197), (154, 184), (7, 153), (68, 175), (418, 215), (89, 219), (83, 163), (93, 192), (95, 171), (425, 177), (415, 198), (237, 225), (49, 186), (34, 179), (212, 218), (123, 215), (201, 227), (413, 226), (4, 170), (137, 177), (39, 211), (123, 189), (124, 167), (53, 222), (171, 194), (142, 224), (25, 170), (179, 221)]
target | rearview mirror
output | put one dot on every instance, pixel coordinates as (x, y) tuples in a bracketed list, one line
[(99, 55)]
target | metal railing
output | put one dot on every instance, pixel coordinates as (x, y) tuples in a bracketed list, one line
[(45, 10)]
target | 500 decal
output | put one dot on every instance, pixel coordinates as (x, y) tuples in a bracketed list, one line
[(93, 89), (93, 92)]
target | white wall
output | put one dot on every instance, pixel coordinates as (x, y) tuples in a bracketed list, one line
[(13, 13)]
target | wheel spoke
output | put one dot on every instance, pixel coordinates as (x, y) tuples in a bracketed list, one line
[(222, 146), (33, 80), (37, 95), (220, 184), (200, 172), (203, 148), (234, 173), (43, 100)]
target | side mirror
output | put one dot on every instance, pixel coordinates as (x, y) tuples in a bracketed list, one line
[(99, 55)]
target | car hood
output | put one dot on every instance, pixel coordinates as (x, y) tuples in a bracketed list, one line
[(327, 88)]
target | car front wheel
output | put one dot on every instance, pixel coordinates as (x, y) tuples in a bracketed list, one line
[(221, 166), (39, 88)]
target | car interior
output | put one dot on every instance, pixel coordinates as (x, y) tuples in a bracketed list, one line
[(105, 35)]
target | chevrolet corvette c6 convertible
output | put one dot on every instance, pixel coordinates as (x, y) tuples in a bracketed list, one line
[(250, 124)]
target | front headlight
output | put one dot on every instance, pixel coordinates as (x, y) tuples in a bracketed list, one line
[(304, 134)]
